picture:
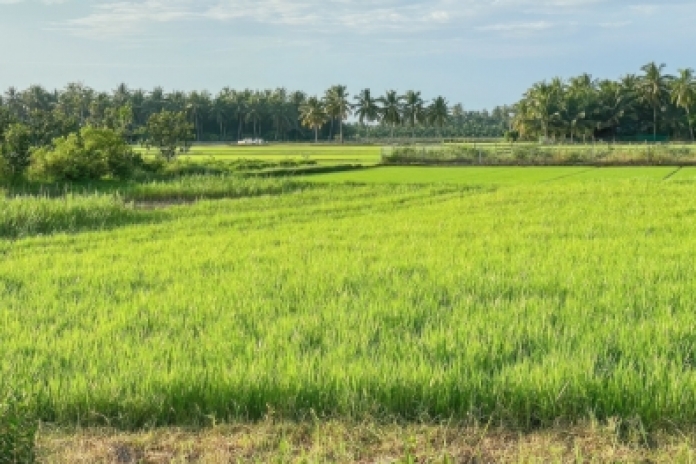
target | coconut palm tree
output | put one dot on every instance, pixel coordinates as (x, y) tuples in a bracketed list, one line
[(366, 108), (613, 105), (579, 96), (198, 103), (438, 113), (255, 109), (238, 108), (653, 88), (313, 115), (337, 105), (390, 110), (684, 94), (544, 104), (414, 110), (220, 110)]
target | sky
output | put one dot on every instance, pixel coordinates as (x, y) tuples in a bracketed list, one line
[(481, 53)]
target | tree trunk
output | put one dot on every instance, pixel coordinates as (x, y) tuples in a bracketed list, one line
[(655, 124), (239, 129), (331, 130), (688, 119), (316, 134)]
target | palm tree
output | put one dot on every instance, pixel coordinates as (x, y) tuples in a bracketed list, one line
[(390, 111), (579, 99), (255, 107), (414, 110), (684, 94), (337, 105), (198, 103), (366, 108), (544, 104), (313, 115), (238, 103), (613, 101), (438, 113), (654, 88), (220, 109)]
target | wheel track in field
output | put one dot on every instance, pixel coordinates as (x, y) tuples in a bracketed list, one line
[(673, 173)]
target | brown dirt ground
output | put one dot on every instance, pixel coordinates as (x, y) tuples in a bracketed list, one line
[(340, 442)]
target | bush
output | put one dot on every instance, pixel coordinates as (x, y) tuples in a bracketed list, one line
[(88, 155), (17, 432), (15, 151)]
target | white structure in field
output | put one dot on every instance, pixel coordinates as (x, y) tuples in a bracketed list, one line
[(252, 142)]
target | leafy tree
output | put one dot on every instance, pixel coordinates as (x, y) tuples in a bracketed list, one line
[(16, 149), (169, 131)]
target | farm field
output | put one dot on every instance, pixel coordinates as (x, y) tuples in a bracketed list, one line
[(515, 296), (503, 176), (322, 154)]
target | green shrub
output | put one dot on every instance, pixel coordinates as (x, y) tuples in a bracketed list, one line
[(88, 155), (16, 149)]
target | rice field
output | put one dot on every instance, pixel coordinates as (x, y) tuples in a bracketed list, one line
[(322, 154), (519, 296), (502, 176)]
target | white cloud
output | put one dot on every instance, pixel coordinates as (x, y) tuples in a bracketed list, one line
[(518, 27), (383, 18), (361, 16)]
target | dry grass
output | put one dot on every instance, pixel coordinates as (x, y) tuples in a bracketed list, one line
[(340, 442)]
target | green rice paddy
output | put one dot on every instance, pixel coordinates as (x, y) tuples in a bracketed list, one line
[(519, 295)]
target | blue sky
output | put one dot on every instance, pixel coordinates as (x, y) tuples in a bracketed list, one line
[(478, 52)]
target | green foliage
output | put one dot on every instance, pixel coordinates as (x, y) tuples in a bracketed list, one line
[(88, 155), (168, 132), (16, 149), (17, 431)]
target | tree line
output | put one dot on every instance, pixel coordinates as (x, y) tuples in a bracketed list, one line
[(649, 105), (231, 115)]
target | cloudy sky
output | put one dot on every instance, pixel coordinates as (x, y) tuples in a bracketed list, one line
[(478, 52)]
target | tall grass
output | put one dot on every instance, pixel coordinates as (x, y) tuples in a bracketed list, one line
[(17, 431), (68, 210), (71, 213), (524, 305)]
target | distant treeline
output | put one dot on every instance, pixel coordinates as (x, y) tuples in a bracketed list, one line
[(231, 115), (651, 105)]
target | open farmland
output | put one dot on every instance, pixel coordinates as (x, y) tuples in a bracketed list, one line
[(502, 176), (526, 303), (514, 296), (322, 154)]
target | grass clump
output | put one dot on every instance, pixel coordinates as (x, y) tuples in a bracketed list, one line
[(26, 216), (18, 430)]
